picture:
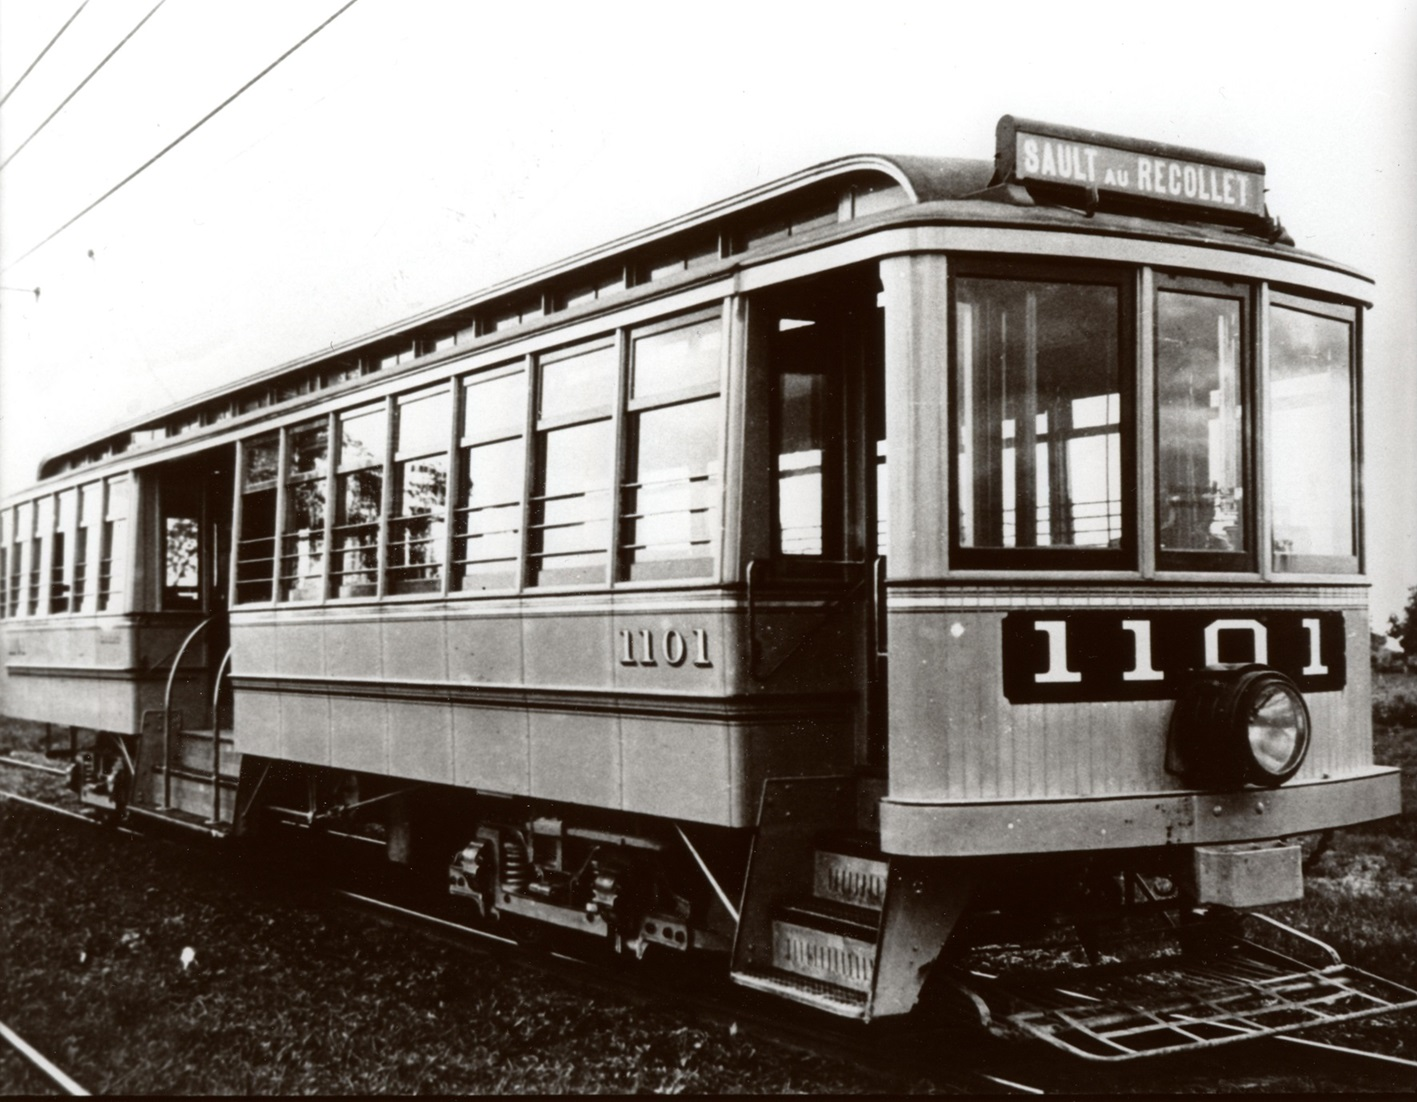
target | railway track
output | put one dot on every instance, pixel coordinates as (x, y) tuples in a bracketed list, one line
[(43, 1068), (905, 1054)]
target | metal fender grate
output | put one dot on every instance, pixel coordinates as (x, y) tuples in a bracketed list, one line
[(1124, 1012)]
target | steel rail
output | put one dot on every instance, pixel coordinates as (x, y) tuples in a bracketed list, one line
[(38, 1060), (20, 763)]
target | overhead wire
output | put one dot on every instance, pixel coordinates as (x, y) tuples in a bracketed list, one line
[(181, 137), (42, 52), (79, 87)]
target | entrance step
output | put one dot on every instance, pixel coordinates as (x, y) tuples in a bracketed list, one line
[(821, 939), (192, 750), (841, 1001)]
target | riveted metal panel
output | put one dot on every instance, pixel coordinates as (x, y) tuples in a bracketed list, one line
[(353, 648), (677, 769), (421, 741), (299, 649), (484, 649), (305, 728), (359, 734), (492, 749), (571, 650), (576, 758), (415, 649), (256, 726)]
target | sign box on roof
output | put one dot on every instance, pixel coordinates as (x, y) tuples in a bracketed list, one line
[(1144, 171)]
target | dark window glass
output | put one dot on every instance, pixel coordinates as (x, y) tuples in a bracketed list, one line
[(1200, 426), (356, 561), (359, 496), (256, 549), (302, 557), (1311, 439), (418, 527), (1040, 444)]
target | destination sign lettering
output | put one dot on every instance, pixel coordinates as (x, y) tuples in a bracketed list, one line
[(1048, 154)]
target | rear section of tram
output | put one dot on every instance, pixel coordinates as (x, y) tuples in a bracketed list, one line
[(908, 558)]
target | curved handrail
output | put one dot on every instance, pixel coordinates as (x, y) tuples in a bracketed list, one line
[(216, 736), (167, 714)]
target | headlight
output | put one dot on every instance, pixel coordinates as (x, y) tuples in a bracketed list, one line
[(1236, 725)]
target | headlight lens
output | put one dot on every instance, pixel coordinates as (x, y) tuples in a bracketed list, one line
[(1236, 725), (1278, 730)]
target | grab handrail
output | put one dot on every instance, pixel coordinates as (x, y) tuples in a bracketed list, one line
[(216, 737), (167, 714)]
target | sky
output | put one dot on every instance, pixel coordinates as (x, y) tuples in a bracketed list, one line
[(414, 151)]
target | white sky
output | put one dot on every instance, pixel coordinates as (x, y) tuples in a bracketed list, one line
[(417, 150)]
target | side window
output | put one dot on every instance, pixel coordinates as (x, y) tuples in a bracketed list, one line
[(20, 536), (670, 498), (1202, 459), (6, 519), (60, 576), (256, 549), (90, 504), (418, 526), (42, 522), (492, 471), (1042, 397), (1312, 442), (302, 557), (569, 538), (112, 558), (359, 495)]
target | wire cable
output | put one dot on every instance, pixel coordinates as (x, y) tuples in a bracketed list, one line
[(183, 136), (42, 52), (79, 87)]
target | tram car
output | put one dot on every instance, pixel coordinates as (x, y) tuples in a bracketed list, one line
[(874, 579)]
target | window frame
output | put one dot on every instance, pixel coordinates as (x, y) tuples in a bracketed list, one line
[(334, 510), (542, 425), (1246, 292), (1124, 279), (464, 443), (395, 583), (1351, 313), (628, 443)]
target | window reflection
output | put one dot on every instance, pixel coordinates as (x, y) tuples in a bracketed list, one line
[(1040, 410), (1200, 423), (359, 497), (417, 530), (1311, 437)]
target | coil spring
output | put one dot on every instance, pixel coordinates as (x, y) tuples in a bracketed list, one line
[(516, 870)]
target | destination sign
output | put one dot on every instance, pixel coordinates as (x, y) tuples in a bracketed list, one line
[(1141, 170)]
